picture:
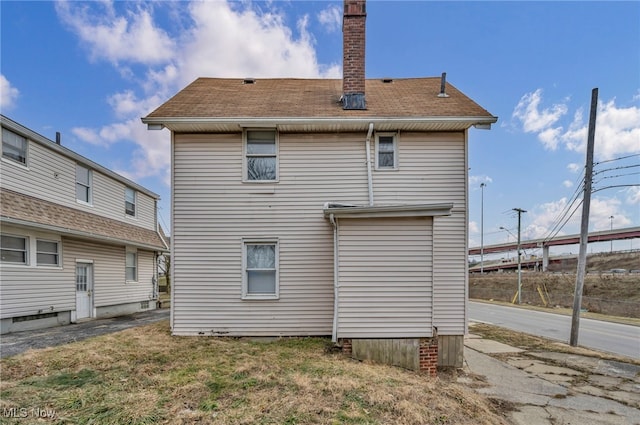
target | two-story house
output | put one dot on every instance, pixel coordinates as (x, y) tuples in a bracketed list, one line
[(78, 241), (323, 207)]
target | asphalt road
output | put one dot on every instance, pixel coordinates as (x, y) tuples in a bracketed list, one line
[(604, 336)]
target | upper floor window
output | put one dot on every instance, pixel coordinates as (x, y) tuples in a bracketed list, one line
[(261, 152), (14, 147), (83, 184), (386, 152), (13, 249), (131, 266), (47, 253), (130, 201), (260, 274)]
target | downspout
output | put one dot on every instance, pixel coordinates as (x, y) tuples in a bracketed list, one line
[(334, 332), (369, 177)]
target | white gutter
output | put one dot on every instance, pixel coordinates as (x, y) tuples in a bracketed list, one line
[(368, 150), (334, 332), (157, 123)]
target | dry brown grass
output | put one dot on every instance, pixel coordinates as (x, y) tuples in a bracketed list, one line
[(144, 375)]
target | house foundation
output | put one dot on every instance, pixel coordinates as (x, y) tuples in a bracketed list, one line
[(418, 354)]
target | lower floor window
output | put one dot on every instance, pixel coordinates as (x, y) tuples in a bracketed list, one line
[(47, 253), (131, 266), (260, 278), (13, 249)]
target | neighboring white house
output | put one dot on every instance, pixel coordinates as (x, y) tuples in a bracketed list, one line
[(323, 207), (78, 241)]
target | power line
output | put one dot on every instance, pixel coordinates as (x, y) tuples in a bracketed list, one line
[(616, 168), (616, 159)]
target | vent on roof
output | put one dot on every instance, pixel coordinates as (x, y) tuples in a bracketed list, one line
[(249, 81), (387, 80), (443, 84)]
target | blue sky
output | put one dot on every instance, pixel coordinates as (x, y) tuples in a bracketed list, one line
[(91, 69)]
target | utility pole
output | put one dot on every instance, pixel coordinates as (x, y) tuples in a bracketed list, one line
[(482, 185), (519, 211), (611, 219), (584, 225)]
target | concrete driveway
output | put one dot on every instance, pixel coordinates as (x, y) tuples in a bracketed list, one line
[(19, 342), (551, 388)]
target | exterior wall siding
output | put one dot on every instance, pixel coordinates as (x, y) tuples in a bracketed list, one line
[(213, 210), (110, 286), (29, 290), (385, 277), (51, 176)]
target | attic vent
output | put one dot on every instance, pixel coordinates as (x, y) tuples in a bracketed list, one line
[(387, 80), (249, 81)]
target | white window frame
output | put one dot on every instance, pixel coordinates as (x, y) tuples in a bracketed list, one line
[(25, 149), (56, 253), (134, 252), (245, 284), (135, 202), (88, 186), (395, 151), (26, 250), (246, 156)]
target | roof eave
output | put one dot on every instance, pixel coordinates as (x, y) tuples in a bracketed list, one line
[(83, 235), (330, 123)]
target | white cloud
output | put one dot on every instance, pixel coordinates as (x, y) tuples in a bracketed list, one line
[(331, 18), (473, 227), (574, 168), (617, 128), (535, 120), (477, 180), (131, 38), (567, 183), (544, 217), (633, 195), (8, 93), (219, 39)]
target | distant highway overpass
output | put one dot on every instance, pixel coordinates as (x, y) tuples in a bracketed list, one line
[(603, 236)]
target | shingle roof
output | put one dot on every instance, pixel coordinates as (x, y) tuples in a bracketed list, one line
[(318, 98), (22, 209)]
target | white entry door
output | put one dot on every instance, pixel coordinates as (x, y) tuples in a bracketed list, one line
[(84, 290)]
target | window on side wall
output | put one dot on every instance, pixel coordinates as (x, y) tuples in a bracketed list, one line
[(386, 151), (261, 156), (13, 249), (83, 184), (131, 266), (47, 253), (130, 202), (260, 274), (14, 147)]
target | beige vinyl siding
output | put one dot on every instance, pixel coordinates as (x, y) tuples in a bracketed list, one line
[(110, 287), (52, 177), (28, 290), (213, 210), (385, 278), (432, 168)]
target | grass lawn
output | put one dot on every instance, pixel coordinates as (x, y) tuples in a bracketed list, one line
[(146, 376)]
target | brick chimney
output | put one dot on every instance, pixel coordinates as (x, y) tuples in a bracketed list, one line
[(353, 35)]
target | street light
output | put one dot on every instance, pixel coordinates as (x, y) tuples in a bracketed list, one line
[(611, 220), (482, 185)]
